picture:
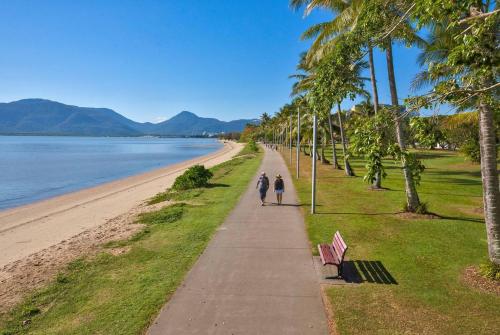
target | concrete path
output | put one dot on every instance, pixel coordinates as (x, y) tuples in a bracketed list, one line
[(256, 276)]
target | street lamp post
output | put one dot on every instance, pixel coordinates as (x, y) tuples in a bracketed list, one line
[(298, 142), (313, 186), (291, 143)]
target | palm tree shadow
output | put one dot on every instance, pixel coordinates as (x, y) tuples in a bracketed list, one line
[(478, 220), (452, 194)]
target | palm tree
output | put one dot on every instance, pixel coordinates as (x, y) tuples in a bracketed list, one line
[(477, 74), (383, 19), (325, 34), (348, 169), (335, 162)]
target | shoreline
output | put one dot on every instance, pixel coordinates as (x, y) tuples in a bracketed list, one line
[(30, 228)]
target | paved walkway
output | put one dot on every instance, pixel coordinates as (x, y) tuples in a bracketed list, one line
[(256, 275)]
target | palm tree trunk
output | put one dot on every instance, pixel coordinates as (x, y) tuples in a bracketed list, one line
[(335, 163), (412, 200), (373, 79), (347, 166), (489, 174), (377, 183), (323, 158)]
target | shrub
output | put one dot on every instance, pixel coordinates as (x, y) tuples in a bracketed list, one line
[(252, 146), (194, 177), (490, 270), (471, 150), (29, 311)]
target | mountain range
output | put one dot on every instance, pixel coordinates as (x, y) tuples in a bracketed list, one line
[(45, 117)]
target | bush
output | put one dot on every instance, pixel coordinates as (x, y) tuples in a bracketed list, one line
[(471, 150), (174, 195), (490, 270), (194, 177), (252, 146)]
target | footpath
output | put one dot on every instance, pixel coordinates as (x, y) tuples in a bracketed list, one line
[(257, 274)]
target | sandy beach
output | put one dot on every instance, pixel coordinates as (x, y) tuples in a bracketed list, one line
[(39, 239), (31, 228)]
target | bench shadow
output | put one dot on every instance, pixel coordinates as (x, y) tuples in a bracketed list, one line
[(362, 271)]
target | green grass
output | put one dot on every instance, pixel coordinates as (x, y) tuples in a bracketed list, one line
[(426, 257), (122, 294), (173, 195)]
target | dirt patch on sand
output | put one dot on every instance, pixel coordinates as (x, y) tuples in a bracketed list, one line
[(473, 278), (19, 278)]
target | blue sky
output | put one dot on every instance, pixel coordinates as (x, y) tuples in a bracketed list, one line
[(149, 60)]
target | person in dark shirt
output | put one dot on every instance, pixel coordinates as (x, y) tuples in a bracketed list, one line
[(279, 188), (263, 186)]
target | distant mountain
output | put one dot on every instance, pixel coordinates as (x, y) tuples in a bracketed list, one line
[(187, 123), (45, 117)]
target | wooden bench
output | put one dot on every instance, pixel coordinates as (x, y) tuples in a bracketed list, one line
[(334, 253)]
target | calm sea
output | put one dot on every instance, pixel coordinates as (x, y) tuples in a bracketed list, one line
[(38, 167)]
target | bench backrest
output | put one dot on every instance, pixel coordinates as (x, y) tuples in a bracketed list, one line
[(339, 246)]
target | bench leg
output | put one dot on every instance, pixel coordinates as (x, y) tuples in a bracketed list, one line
[(340, 270)]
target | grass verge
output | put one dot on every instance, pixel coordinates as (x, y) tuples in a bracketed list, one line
[(122, 294), (426, 256)]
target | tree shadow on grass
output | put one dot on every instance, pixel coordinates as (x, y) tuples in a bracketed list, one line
[(359, 213), (446, 173), (451, 194), (362, 271), (433, 155), (461, 181), (478, 220), (213, 185)]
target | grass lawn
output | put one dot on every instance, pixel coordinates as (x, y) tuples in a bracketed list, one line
[(122, 294), (425, 256)]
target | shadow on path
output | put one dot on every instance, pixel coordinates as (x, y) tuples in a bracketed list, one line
[(276, 204)]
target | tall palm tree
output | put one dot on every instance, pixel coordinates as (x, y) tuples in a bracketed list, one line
[(348, 169), (442, 44), (325, 34), (385, 20)]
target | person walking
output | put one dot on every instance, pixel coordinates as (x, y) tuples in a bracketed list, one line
[(263, 186), (279, 188)]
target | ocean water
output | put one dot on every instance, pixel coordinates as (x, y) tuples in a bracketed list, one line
[(33, 168)]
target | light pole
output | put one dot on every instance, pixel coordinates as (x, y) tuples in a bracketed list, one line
[(313, 181), (291, 143), (298, 141)]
